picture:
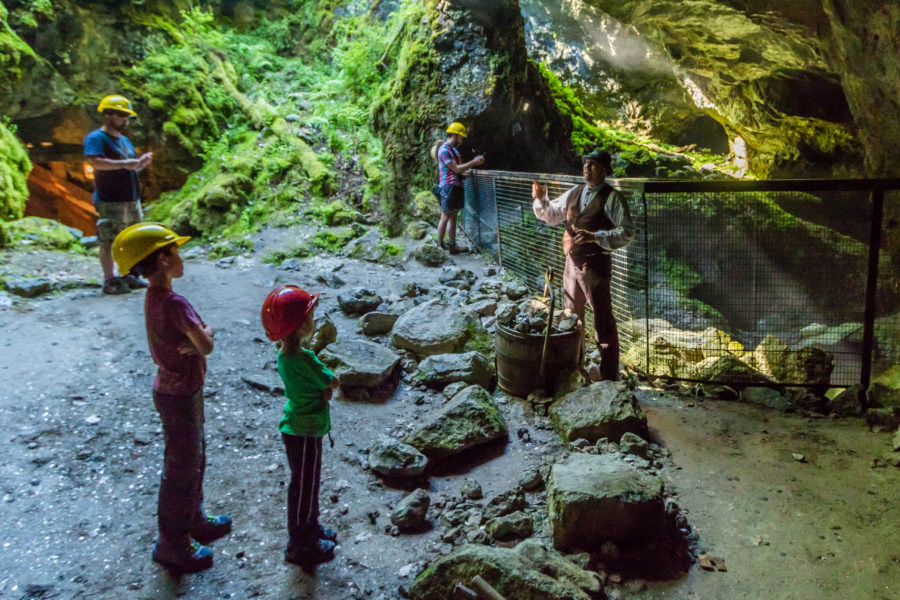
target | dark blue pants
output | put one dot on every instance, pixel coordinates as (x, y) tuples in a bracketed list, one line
[(304, 454), (181, 486)]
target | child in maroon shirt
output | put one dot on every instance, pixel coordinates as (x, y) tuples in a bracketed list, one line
[(179, 342)]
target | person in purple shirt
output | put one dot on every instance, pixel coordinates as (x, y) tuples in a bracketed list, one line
[(179, 342), (451, 170)]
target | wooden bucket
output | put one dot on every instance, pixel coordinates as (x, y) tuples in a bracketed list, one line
[(518, 357)]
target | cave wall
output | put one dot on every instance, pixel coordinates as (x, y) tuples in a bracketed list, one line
[(465, 60)]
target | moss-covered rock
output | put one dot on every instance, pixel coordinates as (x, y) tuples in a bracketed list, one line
[(37, 232), (14, 169)]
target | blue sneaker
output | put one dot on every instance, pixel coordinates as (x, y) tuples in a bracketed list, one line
[(214, 527), (191, 560)]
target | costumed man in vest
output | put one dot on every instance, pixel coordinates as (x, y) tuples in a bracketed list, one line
[(453, 197), (117, 188), (597, 222)]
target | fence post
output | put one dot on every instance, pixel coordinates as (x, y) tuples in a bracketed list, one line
[(646, 283), (497, 221), (872, 286)]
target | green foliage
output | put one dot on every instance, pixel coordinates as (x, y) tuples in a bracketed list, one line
[(679, 275), (15, 55), (278, 255), (332, 240), (14, 169), (333, 213)]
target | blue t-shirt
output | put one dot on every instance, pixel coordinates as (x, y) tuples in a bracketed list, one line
[(120, 185)]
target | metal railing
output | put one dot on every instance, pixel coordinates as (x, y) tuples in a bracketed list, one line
[(788, 277)]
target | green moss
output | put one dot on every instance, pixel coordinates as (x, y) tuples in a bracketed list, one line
[(37, 232), (390, 248), (14, 169), (16, 57), (278, 255), (480, 340), (332, 240)]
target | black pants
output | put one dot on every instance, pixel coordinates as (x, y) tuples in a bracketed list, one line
[(589, 281), (181, 486), (304, 454)]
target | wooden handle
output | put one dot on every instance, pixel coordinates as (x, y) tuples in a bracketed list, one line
[(485, 588)]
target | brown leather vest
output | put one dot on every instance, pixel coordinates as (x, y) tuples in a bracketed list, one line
[(592, 218)]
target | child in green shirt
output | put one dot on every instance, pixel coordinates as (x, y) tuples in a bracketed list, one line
[(287, 315)]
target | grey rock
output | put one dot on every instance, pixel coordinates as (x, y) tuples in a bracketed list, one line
[(504, 503), (631, 443), (469, 419), (325, 333), (485, 308), (433, 328), (531, 480), (515, 290), (765, 396), (330, 279), (471, 367), (431, 255), (359, 301), (377, 323), (458, 278), (603, 409), (410, 513), (593, 499), (290, 264), (514, 525), (29, 287), (454, 388), (391, 457), (471, 490), (849, 403), (360, 362)]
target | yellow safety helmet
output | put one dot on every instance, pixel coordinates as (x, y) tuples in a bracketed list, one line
[(457, 128), (116, 102), (137, 242)]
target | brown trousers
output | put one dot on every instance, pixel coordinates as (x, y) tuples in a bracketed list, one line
[(588, 281)]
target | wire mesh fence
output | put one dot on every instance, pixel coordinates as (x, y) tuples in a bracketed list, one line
[(753, 283)]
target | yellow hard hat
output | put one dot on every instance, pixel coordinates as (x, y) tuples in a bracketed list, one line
[(116, 102), (137, 242), (457, 128)]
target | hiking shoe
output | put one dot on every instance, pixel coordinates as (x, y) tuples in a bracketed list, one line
[(318, 552), (214, 527), (193, 559), (133, 282), (454, 249), (115, 286), (326, 533)]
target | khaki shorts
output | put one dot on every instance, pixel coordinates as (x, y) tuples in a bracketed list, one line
[(113, 217)]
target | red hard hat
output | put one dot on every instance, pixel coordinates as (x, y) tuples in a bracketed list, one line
[(285, 309)]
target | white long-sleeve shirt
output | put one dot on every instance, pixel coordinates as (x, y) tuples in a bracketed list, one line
[(616, 209)]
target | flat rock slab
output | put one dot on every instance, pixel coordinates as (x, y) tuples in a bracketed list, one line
[(605, 409), (360, 362), (470, 367), (530, 571), (433, 328), (470, 418), (596, 498)]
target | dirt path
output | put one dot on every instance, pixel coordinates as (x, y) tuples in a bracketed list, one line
[(83, 447)]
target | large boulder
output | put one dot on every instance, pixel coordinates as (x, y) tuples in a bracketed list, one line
[(530, 571), (471, 367), (596, 498), (730, 369), (807, 365), (393, 458), (605, 409), (470, 418), (433, 327), (361, 363), (673, 353)]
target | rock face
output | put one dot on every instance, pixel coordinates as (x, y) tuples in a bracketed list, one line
[(440, 369), (605, 409), (469, 419), (393, 458), (597, 498), (360, 363), (530, 571), (457, 68), (433, 328)]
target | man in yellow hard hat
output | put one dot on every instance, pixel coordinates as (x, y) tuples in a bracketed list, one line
[(117, 187), (451, 169)]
